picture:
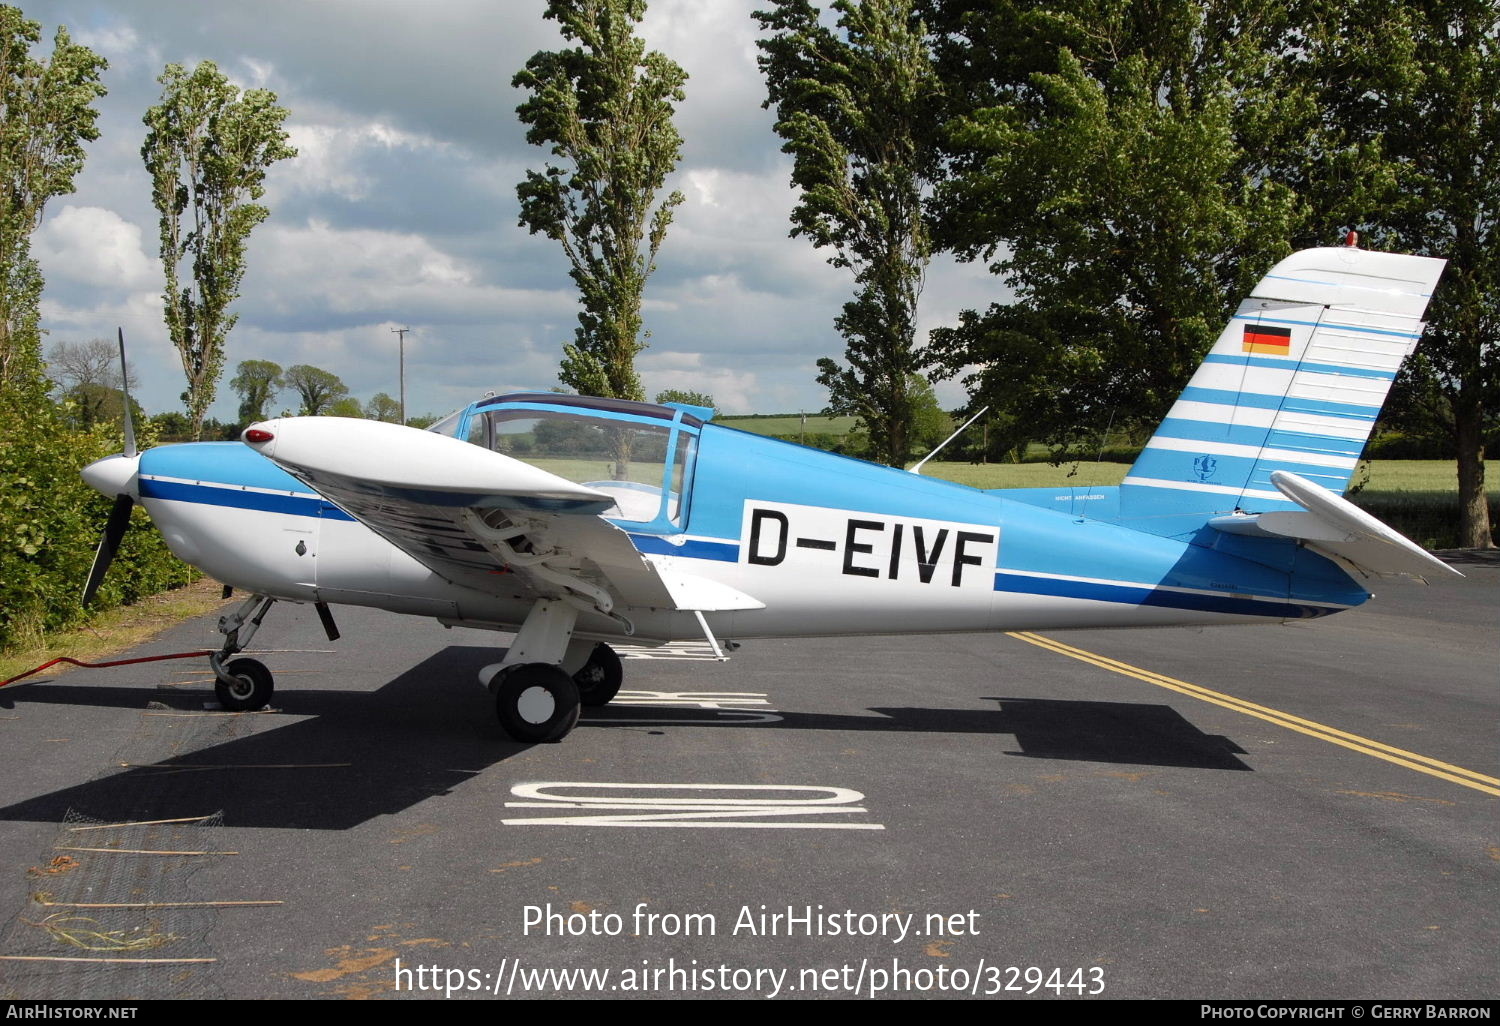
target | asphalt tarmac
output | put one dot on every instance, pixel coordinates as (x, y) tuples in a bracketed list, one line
[(1299, 811)]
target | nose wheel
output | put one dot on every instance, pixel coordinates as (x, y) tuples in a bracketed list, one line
[(249, 686)]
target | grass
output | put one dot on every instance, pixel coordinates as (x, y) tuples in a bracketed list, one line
[(1419, 498), (1377, 477), (114, 631), (790, 424), (1026, 475)]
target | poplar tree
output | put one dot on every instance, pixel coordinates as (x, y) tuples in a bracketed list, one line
[(207, 149), (604, 110), (46, 115), (855, 105)]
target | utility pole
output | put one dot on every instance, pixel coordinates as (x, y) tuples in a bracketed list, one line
[(402, 333)]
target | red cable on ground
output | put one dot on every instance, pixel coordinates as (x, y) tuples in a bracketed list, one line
[(117, 662)]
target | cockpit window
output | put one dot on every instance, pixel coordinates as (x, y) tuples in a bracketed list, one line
[(645, 467), (448, 424)]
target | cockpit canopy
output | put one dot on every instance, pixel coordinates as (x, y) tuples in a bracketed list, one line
[(640, 454)]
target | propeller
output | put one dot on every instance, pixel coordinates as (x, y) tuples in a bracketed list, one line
[(109, 474)]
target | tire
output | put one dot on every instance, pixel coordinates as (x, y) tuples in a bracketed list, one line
[(252, 689), (536, 702), (600, 679)]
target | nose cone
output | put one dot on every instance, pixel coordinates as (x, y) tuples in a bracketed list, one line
[(115, 475)]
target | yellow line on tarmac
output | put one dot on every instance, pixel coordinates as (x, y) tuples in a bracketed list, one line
[(1399, 756)]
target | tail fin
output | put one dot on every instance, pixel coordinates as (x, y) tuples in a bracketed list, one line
[(1294, 383)]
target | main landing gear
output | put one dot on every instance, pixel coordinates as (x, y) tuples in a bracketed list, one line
[(547, 675)]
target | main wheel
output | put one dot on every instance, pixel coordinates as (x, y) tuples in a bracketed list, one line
[(252, 687), (600, 679), (536, 702)]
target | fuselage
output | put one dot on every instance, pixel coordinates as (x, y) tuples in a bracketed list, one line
[(828, 544)]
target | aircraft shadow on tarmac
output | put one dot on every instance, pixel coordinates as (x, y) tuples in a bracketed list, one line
[(430, 729), (1117, 732)]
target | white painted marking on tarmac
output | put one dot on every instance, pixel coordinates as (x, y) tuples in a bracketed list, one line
[(761, 806), (730, 707), (681, 651)]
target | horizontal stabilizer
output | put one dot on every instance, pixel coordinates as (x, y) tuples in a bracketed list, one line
[(1334, 526)]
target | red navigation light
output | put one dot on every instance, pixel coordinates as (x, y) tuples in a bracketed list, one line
[(1352, 240), (257, 435)]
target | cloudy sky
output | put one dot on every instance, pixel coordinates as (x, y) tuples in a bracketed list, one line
[(400, 209)]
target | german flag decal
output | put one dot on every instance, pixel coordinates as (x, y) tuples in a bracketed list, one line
[(1260, 338)]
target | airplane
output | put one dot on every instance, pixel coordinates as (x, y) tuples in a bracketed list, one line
[(576, 522)]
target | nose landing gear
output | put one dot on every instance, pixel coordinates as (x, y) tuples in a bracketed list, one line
[(242, 685)]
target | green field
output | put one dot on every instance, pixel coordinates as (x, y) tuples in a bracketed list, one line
[(790, 424), (1383, 475), (1419, 498)]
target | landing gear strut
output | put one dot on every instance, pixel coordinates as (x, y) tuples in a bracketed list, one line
[(242, 685), (547, 673)]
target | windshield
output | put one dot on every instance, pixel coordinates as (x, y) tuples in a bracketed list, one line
[(637, 464), (448, 424)]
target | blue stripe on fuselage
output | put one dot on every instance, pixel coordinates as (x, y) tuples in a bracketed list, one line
[(693, 548), (237, 497), (1141, 595)]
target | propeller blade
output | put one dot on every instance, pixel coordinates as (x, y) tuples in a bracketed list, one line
[(109, 544), (130, 449)]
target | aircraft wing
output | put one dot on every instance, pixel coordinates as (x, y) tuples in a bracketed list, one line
[(471, 515)]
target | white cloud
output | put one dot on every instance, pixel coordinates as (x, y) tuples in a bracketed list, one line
[(696, 372), (342, 159), (400, 208), (93, 246), (351, 270)]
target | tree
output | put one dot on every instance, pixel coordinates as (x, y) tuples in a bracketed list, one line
[(1414, 115), (95, 362), (383, 407), (318, 388), (929, 425), (257, 382), (855, 107), (46, 115), (208, 149), (677, 395), (605, 110), (1117, 162), (88, 376)]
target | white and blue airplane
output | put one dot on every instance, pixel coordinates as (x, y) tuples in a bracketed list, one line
[(576, 522)]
